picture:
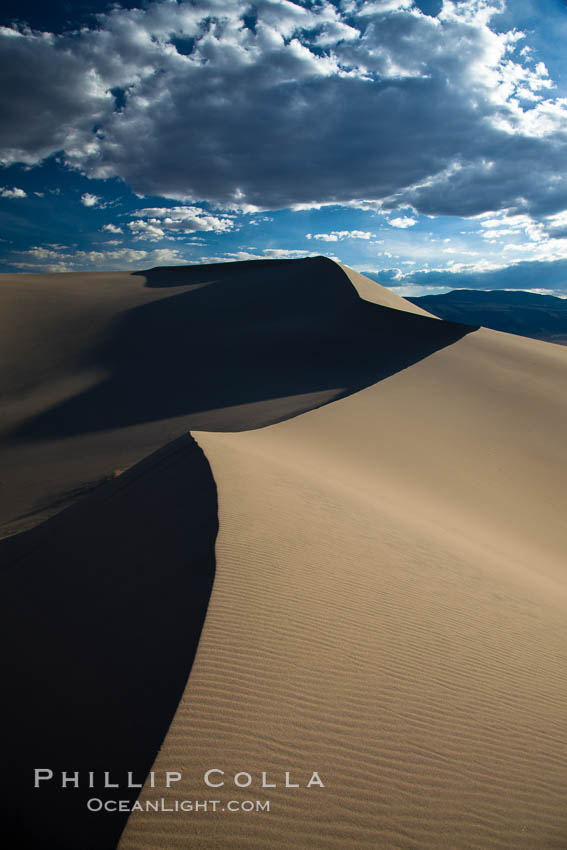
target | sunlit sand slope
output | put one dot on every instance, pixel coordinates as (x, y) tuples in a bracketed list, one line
[(99, 370), (390, 610)]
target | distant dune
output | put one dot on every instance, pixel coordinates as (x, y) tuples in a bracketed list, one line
[(525, 313), (390, 594)]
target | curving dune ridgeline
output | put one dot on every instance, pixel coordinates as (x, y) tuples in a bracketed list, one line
[(389, 600)]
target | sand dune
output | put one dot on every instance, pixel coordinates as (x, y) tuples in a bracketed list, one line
[(102, 610), (390, 593), (99, 370), (389, 610)]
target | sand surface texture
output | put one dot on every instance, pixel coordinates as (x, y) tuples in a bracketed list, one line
[(390, 594), (388, 610), (99, 370)]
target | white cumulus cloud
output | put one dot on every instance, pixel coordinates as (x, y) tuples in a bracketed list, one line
[(60, 258), (156, 223), (5, 192), (402, 221), (339, 235), (90, 200)]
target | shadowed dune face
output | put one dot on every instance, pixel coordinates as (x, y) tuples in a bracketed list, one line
[(389, 610), (389, 573), (103, 609), (249, 336), (166, 276), (99, 370)]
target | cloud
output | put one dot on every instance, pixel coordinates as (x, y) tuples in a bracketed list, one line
[(372, 102), (402, 222), (262, 219), (549, 276), (412, 291), (89, 200), (334, 32), (286, 253), (372, 7), (60, 258), (63, 258), (156, 223), (12, 193), (339, 235), (50, 96), (264, 254), (112, 228)]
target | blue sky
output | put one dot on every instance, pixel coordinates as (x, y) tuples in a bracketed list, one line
[(424, 142)]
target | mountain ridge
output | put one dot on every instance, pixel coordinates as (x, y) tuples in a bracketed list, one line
[(519, 312)]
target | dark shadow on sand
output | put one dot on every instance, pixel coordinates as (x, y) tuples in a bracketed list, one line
[(243, 336), (103, 607), (165, 276), (104, 603)]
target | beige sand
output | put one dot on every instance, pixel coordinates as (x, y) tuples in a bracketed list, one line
[(98, 370), (389, 610), (390, 600)]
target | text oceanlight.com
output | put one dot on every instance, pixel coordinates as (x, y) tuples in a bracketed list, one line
[(95, 804)]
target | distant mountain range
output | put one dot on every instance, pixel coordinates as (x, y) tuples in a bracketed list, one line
[(525, 313)]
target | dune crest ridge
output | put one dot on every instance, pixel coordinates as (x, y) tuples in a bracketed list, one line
[(390, 591), (98, 370), (389, 610)]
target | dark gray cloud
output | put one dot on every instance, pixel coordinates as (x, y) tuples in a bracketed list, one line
[(378, 102), (49, 97)]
